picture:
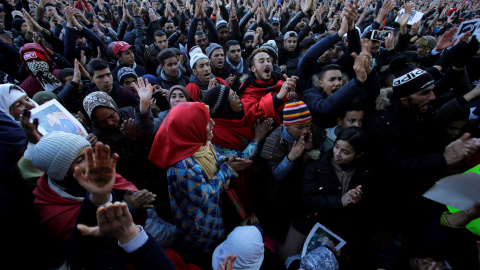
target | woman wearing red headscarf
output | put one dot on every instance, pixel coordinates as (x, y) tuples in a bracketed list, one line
[(196, 175)]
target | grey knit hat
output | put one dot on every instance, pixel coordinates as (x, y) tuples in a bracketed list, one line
[(271, 46), (96, 99), (221, 23), (56, 151), (126, 72), (211, 48)]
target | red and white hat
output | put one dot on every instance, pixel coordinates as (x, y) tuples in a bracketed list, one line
[(121, 46), (32, 54)]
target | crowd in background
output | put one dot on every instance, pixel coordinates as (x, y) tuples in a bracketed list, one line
[(219, 132)]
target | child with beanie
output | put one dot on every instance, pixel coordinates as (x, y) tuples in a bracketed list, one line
[(64, 191), (287, 150)]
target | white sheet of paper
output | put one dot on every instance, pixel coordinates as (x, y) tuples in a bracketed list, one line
[(416, 16), (468, 26), (460, 191)]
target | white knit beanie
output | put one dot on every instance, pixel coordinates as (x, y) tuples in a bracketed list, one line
[(195, 55), (56, 151), (247, 243)]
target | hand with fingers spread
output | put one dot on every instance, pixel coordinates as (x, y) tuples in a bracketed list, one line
[(238, 164), (461, 148), (144, 90), (129, 129), (141, 199), (262, 129), (446, 40), (99, 177)]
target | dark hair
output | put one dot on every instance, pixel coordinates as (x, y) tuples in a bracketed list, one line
[(199, 33), (306, 43), (159, 33), (254, 53), (356, 137), (49, 5), (353, 105), (231, 43), (328, 68), (96, 64), (6, 34), (64, 73), (165, 54)]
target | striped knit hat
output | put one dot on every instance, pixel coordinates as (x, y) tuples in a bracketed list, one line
[(296, 113)]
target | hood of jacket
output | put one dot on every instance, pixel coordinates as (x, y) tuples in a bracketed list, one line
[(35, 47)]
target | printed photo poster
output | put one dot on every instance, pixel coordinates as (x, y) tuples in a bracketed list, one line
[(320, 236), (416, 16), (469, 26), (52, 116)]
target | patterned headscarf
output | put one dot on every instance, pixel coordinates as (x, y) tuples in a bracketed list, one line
[(98, 99), (41, 71)]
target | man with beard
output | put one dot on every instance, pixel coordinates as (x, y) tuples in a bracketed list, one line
[(202, 78), (264, 93), (408, 147), (234, 59), (168, 71), (289, 49), (219, 68)]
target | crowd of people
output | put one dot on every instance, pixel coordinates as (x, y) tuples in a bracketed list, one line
[(219, 132)]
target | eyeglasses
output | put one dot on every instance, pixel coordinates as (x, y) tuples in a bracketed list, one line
[(235, 96)]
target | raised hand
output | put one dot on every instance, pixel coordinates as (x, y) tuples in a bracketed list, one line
[(212, 83), (262, 129), (289, 85), (114, 220), (297, 150), (129, 129), (141, 199), (231, 79), (144, 90), (100, 174)]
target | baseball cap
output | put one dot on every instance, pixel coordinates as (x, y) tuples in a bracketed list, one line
[(290, 34), (275, 19), (121, 46)]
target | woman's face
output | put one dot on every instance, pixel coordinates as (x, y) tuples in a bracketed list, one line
[(210, 129), (79, 161), (105, 117), (177, 97), (343, 152), (17, 107), (235, 102)]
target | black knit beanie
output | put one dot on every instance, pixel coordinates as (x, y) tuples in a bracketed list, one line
[(411, 80)]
